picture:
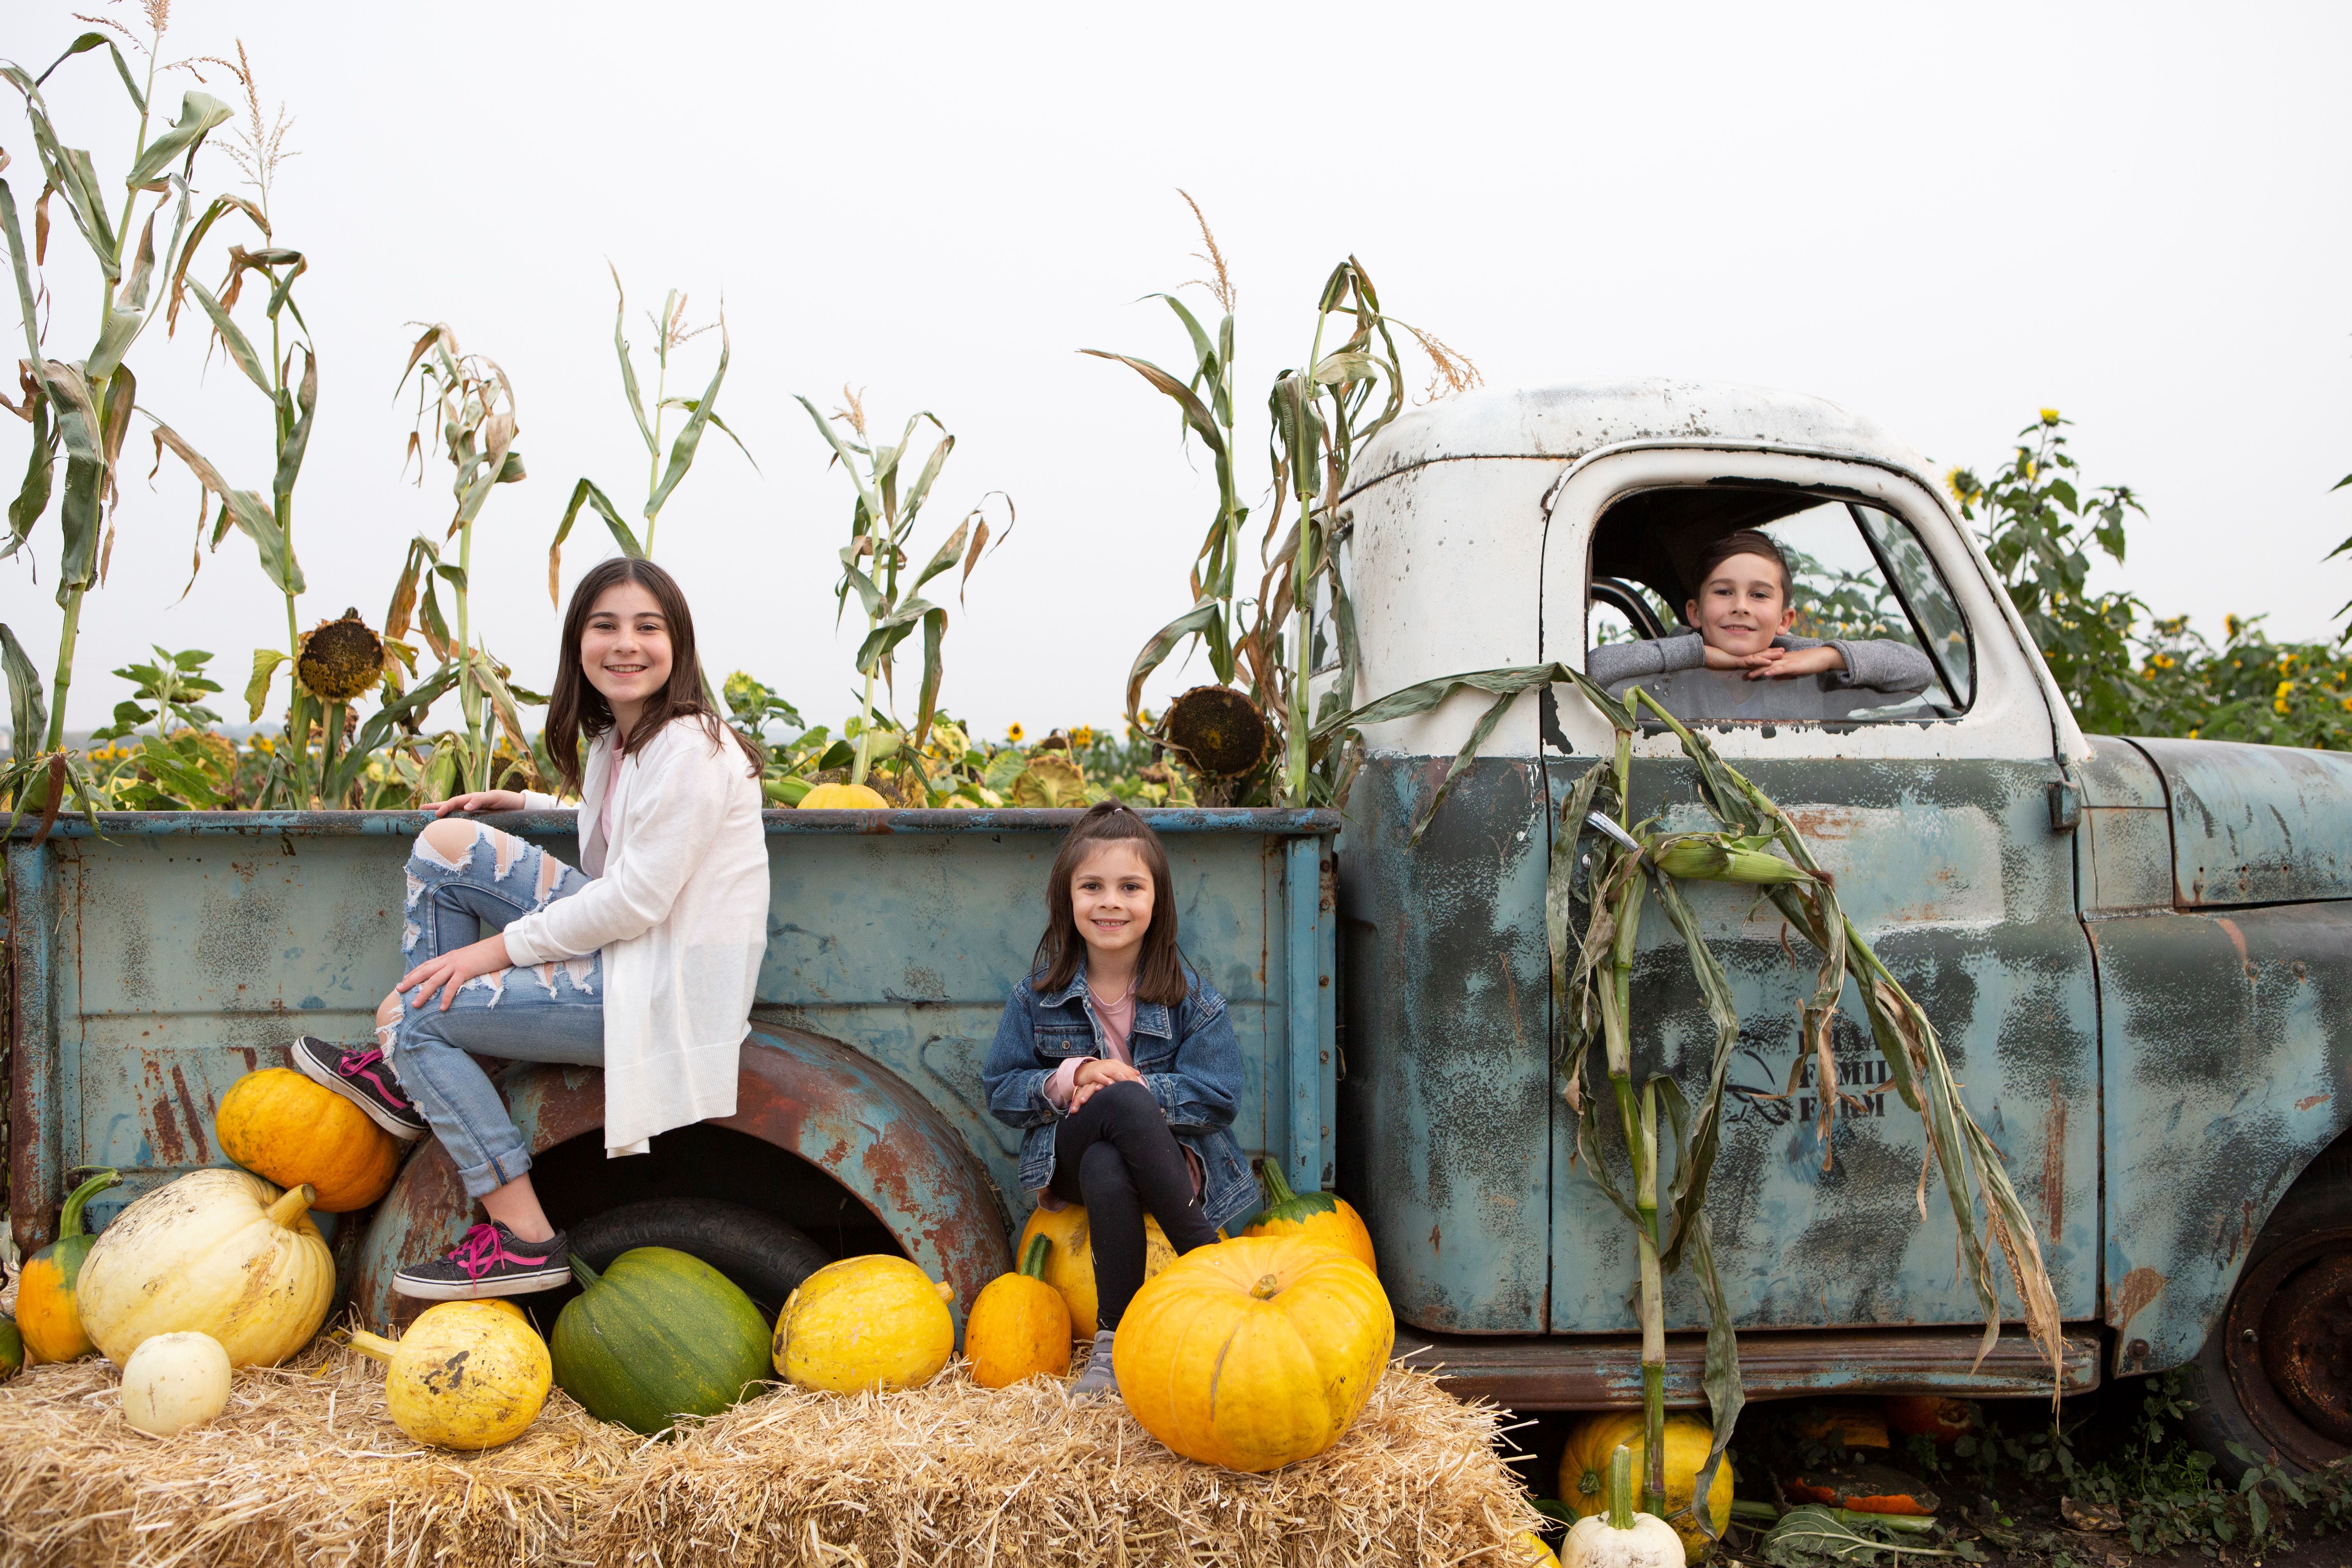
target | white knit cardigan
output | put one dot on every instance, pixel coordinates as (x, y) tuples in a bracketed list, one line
[(678, 910)]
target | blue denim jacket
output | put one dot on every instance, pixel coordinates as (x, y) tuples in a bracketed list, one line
[(1189, 1060)]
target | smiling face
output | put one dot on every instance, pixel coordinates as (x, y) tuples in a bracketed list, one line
[(1742, 606), (1111, 899), (624, 649)]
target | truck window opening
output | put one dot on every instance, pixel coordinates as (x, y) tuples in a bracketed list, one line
[(1858, 574)]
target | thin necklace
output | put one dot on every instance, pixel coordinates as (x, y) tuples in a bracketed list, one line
[(1121, 998)]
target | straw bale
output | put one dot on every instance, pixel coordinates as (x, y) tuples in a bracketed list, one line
[(306, 1468), (303, 1467)]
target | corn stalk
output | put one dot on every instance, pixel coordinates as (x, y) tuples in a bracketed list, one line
[(670, 332), (83, 407), (1629, 862), (470, 407), (874, 562)]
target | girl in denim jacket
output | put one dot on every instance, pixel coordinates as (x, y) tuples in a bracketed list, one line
[(1120, 1064)]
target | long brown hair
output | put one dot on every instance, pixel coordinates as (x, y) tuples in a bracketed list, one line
[(1160, 967), (576, 710)]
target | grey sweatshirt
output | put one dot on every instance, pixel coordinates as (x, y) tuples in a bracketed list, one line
[(1872, 664)]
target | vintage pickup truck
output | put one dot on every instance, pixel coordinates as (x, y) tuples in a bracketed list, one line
[(2138, 954)]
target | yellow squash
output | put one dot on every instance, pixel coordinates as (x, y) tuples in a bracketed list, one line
[(218, 1252), (48, 1310), (279, 1124), (864, 1323), (1070, 1267), (1018, 1325), (466, 1375), (1584, 1470), (1256, 1351), (843, 797)]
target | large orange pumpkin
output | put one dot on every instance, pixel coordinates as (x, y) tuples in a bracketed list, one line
[(279, 1124), (1319, 1216), (1256, 1351)]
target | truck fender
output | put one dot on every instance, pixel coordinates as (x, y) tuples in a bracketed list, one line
[(814, 1097)]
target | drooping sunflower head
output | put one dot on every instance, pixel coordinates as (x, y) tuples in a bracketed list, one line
[(341, 659)]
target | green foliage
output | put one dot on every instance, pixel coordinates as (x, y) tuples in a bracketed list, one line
[(2038, 530), (2249, 689)]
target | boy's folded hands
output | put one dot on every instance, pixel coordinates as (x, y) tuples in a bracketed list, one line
[(1777, 663)]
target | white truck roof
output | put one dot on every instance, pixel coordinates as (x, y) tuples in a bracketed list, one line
[(1566, 422)]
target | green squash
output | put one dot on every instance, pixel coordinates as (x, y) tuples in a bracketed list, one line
[(12, 1350), (658, 1335)]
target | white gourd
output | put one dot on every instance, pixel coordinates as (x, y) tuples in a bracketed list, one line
[(1622, 1538), (175, 1381)]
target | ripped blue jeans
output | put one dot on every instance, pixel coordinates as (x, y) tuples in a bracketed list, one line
[(542, 1013)]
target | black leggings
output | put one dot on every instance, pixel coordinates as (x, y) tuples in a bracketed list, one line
[(1116, 1155)]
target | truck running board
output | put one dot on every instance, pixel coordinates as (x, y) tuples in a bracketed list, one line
[(1601, 1372)]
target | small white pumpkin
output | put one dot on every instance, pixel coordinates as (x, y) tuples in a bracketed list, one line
[(1622, 1538), (175, 1381)]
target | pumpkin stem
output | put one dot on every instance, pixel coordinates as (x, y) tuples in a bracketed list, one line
[(373, 1345), (292, 1204), (1621, 1489), (1266, 1287), (69, 1218), (1275, 1183), (582, 1272), (1032, 1262)]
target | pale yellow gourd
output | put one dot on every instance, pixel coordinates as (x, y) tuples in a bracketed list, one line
[(1622, 1538), (466, 1375), (864, 1323), (217, 1252), (174, 1382)]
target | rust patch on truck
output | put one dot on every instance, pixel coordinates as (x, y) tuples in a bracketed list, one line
[(2133, 1294)]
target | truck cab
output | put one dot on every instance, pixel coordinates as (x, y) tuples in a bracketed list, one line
[(2137, 951)]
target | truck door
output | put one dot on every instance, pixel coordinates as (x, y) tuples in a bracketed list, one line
[(1936, 814)]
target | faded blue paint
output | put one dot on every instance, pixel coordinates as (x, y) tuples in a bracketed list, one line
[(162, 960), (2256, 825)]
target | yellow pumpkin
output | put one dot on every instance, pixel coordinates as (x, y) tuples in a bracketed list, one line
[(48, 1310), (864, 1323), (466, 1375), (1319, 1216), (1018, 1325), (279, 1124), (1532, 1551), (1255, 1352), (843, 797), (218, 1252), (1584, 1470), (1070, 1265)]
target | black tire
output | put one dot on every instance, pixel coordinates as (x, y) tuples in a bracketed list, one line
[(765, 1256), (2239, 1399)]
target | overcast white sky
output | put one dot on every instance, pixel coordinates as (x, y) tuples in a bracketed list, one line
[(1943, 217)]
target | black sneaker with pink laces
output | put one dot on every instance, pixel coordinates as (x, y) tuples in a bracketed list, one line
[(363, 1077), (491, 1262)]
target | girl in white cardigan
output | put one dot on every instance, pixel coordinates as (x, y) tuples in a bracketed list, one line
[(646, 964)]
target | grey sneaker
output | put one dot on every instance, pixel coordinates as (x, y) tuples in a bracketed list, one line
[(1098, 1382)]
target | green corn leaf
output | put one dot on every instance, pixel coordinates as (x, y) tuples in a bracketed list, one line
[(265, 661), (690, 440), (298, 440), (1196, 414), (935, 631), (28, 714), (247, 510), (586, 493), (847, 455), (133, 293), (93, 40), (199, 112), (232, 337), (944, 558), (1161, 643), (628, 368)]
